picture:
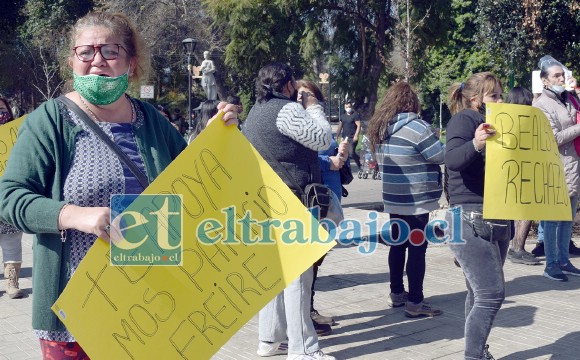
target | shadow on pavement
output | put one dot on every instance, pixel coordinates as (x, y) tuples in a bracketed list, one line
[(560, 349)]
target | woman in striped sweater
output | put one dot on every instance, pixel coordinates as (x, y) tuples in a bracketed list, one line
[(409, 153)]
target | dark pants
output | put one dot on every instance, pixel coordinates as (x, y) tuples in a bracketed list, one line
[(353, 153), (415, 262), (315, 270)]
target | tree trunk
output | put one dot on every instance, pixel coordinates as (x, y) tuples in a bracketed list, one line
[(376, 62)]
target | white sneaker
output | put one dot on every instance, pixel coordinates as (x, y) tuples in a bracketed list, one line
[(317, 355), (271, 349)]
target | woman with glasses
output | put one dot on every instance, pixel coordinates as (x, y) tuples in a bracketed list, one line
[(483, 254), (61, 175)]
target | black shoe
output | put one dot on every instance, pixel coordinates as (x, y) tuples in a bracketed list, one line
[(321, 319), (322, 329), (486, 354), (574, 250), (538, 251)]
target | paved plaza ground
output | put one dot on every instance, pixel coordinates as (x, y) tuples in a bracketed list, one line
[(540, 318)]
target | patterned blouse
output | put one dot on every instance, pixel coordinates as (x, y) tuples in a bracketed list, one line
[(96, 173)]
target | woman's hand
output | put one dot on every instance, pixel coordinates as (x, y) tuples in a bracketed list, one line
[(344, 149), (482, 132), (336, 162), (307, 99), (90, 220), (231, 113)]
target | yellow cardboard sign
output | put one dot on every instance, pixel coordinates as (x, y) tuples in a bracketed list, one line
[(524, 176), (190, 311), (8, 135)]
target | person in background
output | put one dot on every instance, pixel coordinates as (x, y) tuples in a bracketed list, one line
[(235, 100), (208, 110), (60, 176), (350, 126), (517, 253), (465, 163), (559, 107), (180, 121), (410, 157), (10, 237), (538, 250), (163, 111), (330, 160), (286, 134)]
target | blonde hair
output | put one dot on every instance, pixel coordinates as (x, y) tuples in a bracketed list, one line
[(477, 86), (117, 25)]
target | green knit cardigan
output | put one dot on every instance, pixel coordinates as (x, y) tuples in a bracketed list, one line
[(31, 191)]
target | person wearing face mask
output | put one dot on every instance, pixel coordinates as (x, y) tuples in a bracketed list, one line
[(10, 237), (349, 126), (561, 108), (287, 134), (490, 239), (61, 174)]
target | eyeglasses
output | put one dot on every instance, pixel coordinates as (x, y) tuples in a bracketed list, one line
[(108, 51)]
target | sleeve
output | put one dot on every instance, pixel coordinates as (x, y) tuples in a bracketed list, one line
[(27, 183), (562, 136), (459, 150), (324, 161), (307, 127), (430, 147)]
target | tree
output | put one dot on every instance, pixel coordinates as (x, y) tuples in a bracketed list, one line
[(164, 24), (518, 33), (43, 43), (448, 57), (358, 35)]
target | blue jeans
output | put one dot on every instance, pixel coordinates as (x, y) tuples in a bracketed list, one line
[(482, 264), (287, 316), (557, 235)]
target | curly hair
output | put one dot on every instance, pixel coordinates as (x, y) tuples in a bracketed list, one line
[(400, 98)]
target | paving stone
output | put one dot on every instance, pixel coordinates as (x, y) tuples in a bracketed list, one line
[(539, 319)]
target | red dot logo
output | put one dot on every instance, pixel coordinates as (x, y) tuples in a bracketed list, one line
[(417, 237)]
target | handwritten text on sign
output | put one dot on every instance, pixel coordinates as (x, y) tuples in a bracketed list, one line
[(190, 311), (524, 176), (8, 135)]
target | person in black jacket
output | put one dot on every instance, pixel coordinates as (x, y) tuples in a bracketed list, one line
[(482, 255), (288, 135)]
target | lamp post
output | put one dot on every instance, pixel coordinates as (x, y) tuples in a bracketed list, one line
[(337, 97), (189, 46), (327, 55)]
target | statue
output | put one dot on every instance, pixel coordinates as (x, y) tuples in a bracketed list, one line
[(208, 79)]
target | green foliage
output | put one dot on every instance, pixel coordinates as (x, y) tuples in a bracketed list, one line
[(455, 57), (260, 32), (559, 21)]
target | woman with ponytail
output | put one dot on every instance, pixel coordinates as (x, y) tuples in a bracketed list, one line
[(483, 239)]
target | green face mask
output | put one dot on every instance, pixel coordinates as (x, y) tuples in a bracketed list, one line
[(101, 90)]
